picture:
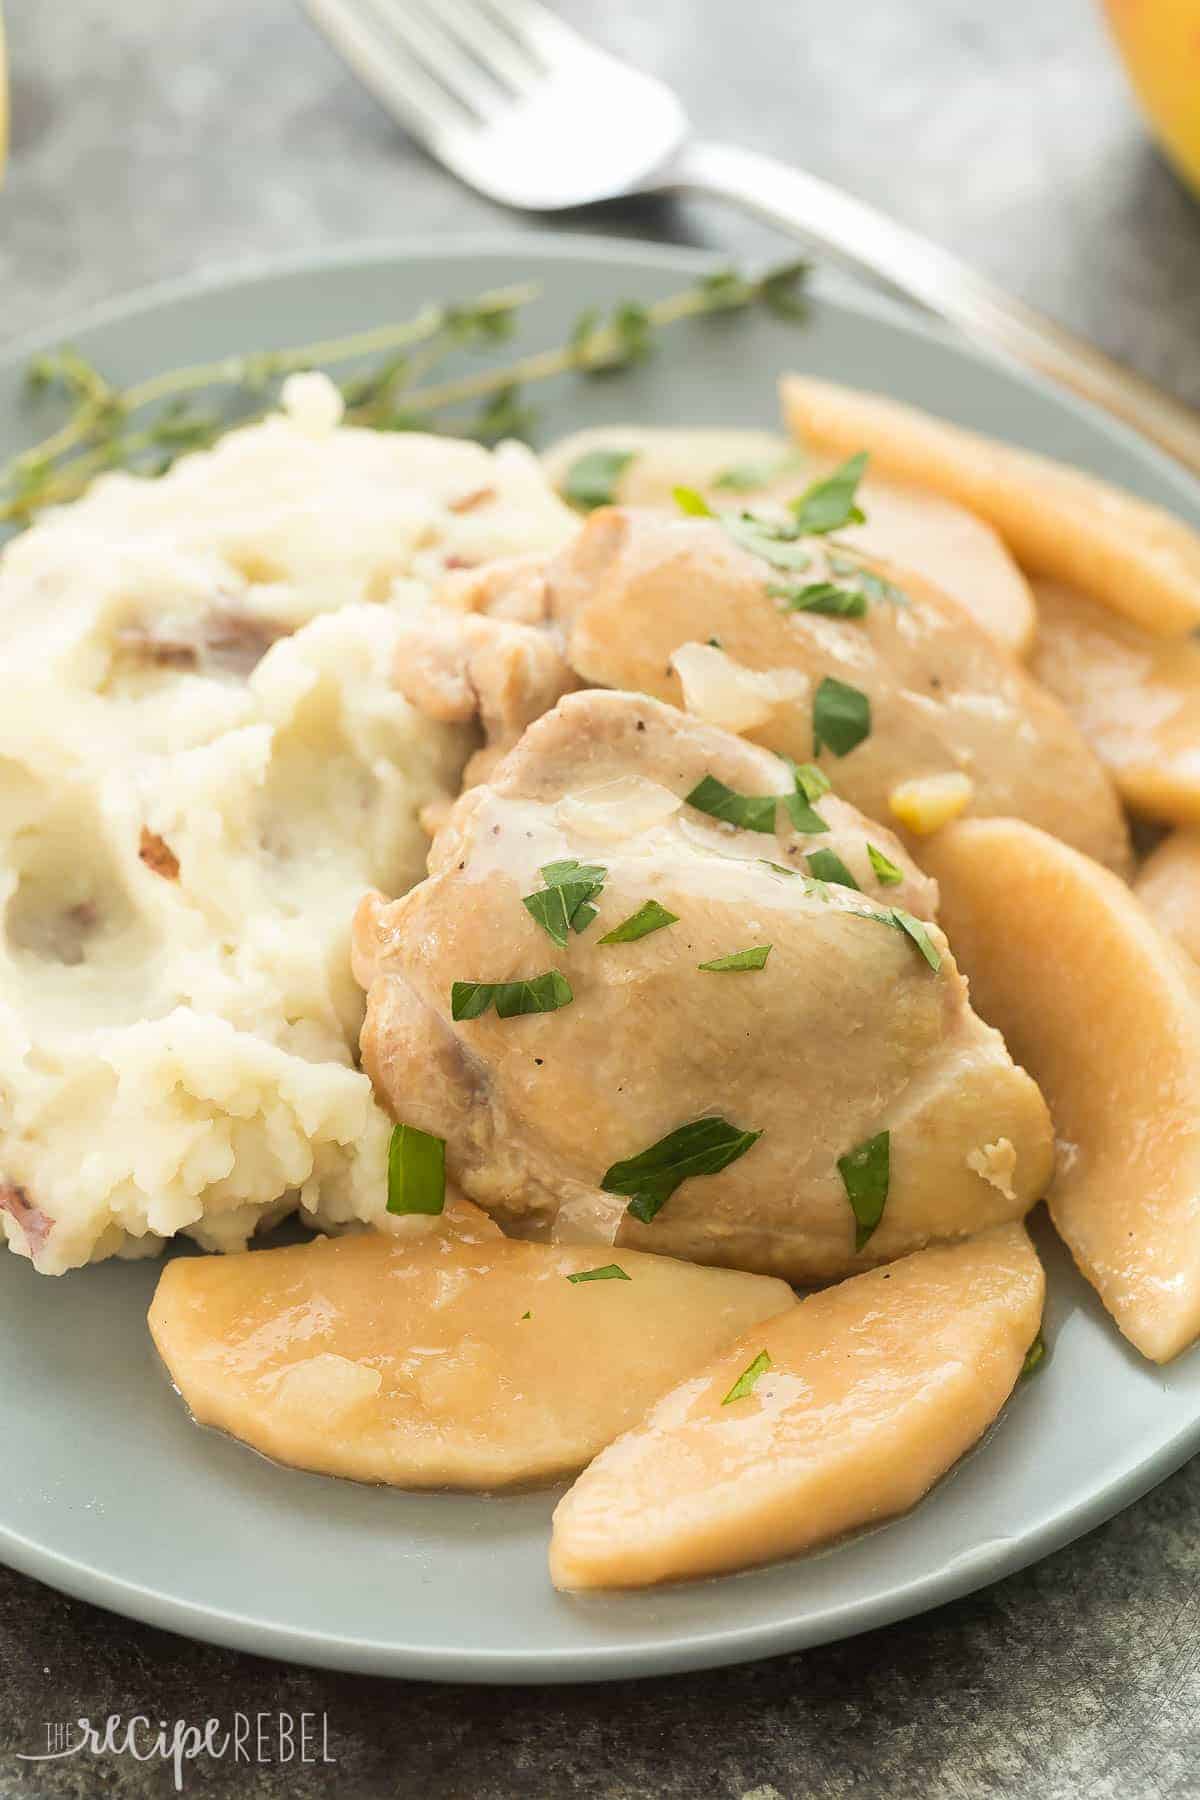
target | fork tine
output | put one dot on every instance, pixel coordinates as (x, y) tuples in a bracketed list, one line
[(395, 80), (536, 27), (443, 56), (509, 57)]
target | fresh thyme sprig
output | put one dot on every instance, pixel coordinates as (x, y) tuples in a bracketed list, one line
[(147, 426), (598, 347), (102, 430)]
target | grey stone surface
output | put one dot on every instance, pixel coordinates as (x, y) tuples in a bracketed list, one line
[(156, 137)]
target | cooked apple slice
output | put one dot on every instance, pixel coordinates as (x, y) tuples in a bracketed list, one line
[(1168, 886), (912, 527), (459, 1358), (963, 556), (1136, 698), (837, 1414), (1104, 1012), (1133, 557)]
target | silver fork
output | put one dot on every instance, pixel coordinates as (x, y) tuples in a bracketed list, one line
[(525, 110)]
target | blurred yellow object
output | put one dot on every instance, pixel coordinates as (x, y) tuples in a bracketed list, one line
[(1160, 42)]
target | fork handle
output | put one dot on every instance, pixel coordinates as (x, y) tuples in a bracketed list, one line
[(872, 245)]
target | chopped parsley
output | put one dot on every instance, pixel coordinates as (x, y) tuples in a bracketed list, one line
[(865, 1173), (809, 783), (830, 504), (776, 543), (610, 1272), (753, 812), (821, 862), (564, 904), (904, 921), (541, 994), (824, 506), (739, 959), (558, 909), (471, 999), (819, 597), (650, 916), (571, 869), (841, 717), (1034, 1355), (416, 1174), (748, 1380), (818, 890), (592, 478), (544, 993), (805, 818), (827, 865), (849, 596), (704, 1147), (693, 504), (744, 478), (886, 872), (867, 582)]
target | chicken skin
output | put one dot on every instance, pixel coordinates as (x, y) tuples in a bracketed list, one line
[(837, 1023), (635, 586)]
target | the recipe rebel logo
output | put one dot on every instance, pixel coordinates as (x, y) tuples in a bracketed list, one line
[(263, 1738)]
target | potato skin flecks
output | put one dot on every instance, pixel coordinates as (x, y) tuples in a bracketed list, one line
[(157, 855)]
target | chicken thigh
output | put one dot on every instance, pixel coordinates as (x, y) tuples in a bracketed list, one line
[(941, 697), (640, 1005), (903, 694), (737, 468)]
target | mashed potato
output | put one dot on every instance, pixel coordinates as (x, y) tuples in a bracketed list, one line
[(203, 764)]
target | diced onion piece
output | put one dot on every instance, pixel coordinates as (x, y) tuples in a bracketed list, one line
[(723, 692), (997, 1164), (617, 809), (927, 803)]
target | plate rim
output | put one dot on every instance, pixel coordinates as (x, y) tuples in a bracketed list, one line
[(721, 1645), (719, 1648)]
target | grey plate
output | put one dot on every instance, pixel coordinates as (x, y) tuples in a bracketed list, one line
[(110, 1492)]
